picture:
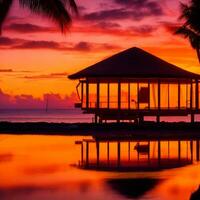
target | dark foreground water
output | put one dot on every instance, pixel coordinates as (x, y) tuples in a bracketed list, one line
[(43, 168)]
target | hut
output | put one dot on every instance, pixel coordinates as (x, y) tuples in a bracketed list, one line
[(133, 84)]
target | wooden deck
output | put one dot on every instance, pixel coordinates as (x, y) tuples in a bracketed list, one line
[(131, 114)]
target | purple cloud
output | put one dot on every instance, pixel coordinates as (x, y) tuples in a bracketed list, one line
[(28, 28)]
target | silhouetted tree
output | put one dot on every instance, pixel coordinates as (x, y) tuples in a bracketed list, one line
[(58, 11), (191, 26)]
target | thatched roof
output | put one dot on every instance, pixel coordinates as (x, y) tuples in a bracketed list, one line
[(133, 63)]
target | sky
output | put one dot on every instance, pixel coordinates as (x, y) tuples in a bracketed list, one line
[(36, 58)]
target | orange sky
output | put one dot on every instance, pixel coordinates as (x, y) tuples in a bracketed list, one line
[(35, 57)]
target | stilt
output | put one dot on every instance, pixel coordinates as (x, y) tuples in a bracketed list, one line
[(191, 150), (168, 150), (149, 152), (158, 118), (118, 154), (81, 153), (197, 149), (159, 152), (96, 119), (87, 154), (192, 117), (108, 153), (179, 150), (97, 148)]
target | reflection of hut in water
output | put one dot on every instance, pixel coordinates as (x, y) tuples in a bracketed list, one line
[(133, 84), (132, 188), (133, 155)]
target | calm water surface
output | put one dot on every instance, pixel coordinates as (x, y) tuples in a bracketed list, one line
[(42, 167)]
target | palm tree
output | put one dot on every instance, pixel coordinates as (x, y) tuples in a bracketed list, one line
[(58, 11), (191, 26)]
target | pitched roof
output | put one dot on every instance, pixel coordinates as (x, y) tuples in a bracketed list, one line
[(133, 63)]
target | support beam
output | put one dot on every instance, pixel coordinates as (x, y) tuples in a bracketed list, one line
[(108, 96), (149, 152), (129, 150), (149, 100), (159, 152), (179, 95), (97, 150), (158, 115), (98, 97), (168, 96), (197, 150), (168, 149), (87, 95), (81, 153), (197, 95), (87, 154), (82, 93), (191, 102), (129, 95), (108, 153), (159, 95), (191, 150), (119, 95), (179, 150), (138, 97), (118, 154)]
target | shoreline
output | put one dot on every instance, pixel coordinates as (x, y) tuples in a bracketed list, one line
[(147, 130)]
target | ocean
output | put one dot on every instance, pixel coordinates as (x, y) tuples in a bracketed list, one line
[(70, 115), (39, 115)]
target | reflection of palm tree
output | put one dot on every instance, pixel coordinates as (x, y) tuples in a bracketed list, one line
[(56, 10), (191, 27)]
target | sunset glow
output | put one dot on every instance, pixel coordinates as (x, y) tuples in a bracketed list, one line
[(35, 58)]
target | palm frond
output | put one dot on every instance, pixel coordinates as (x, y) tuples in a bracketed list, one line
[(4, 9), (57, 10)]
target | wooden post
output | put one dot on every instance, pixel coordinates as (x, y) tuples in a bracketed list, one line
[(82, 153), (108, 96), (158, 115), (98, 96), (119, 95), (168, 97), (197, 149), (97, 148), (179, 150), (87, 154), (191, 102), (149, 102), (87, 95), (149, 152), (138, 98), (118, 153), (129, 150), (191, 150), (179, 95), (119, 101), (82, 93), (197, 95), (186, 95), (168, 149), (159, 152), (108, 152), (129, 95)]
